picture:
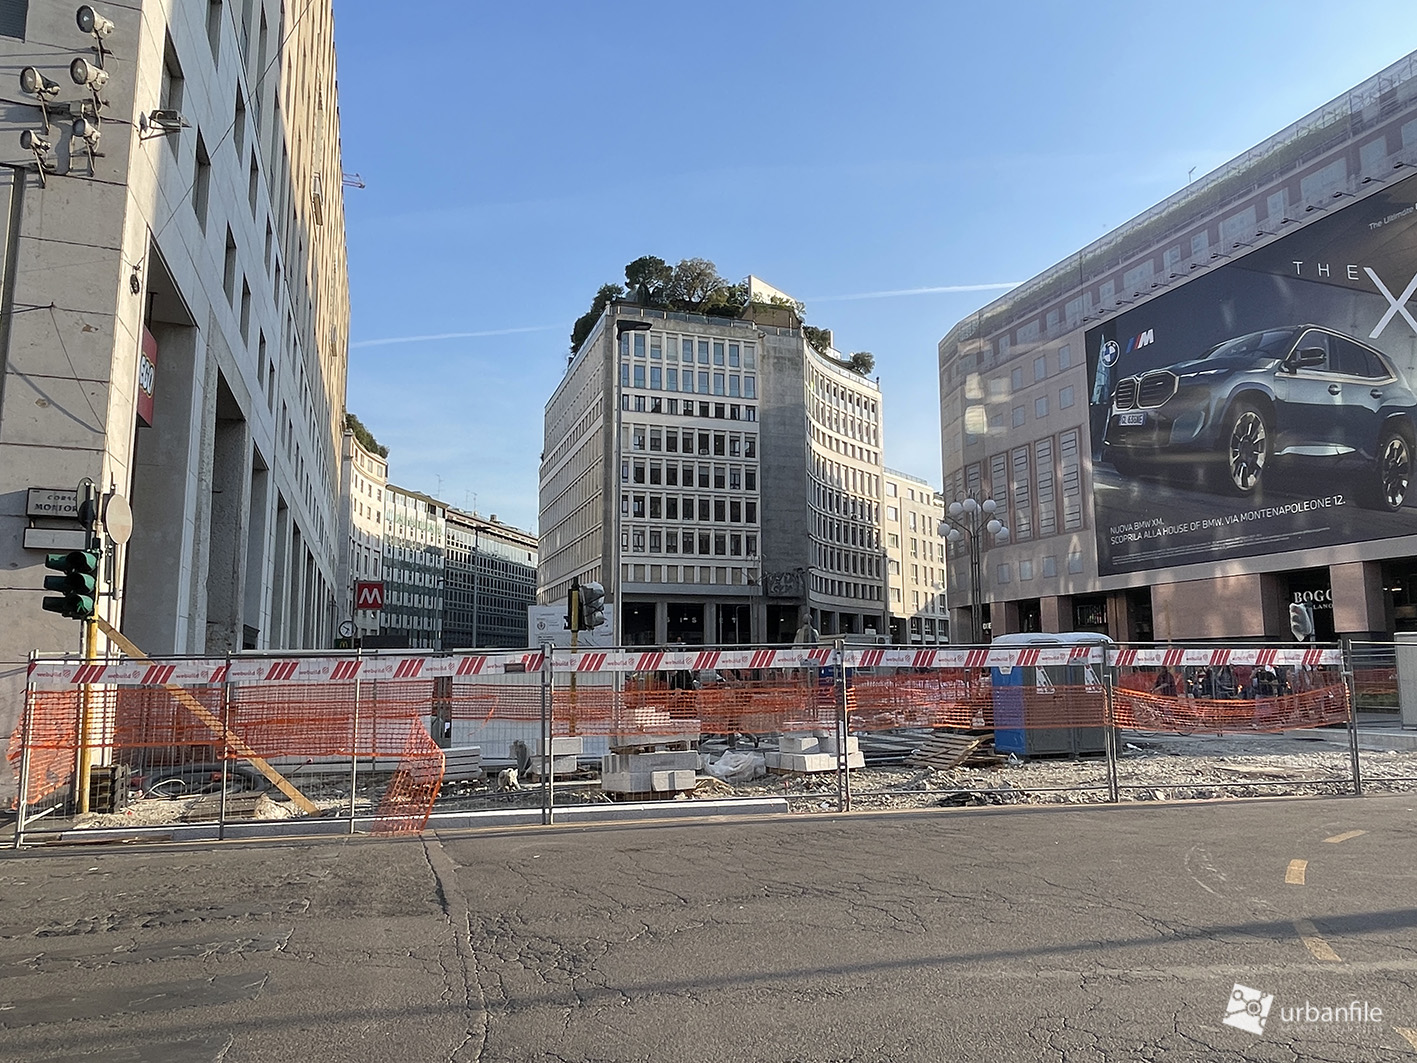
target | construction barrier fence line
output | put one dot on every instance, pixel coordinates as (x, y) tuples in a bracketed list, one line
[(364, 735)]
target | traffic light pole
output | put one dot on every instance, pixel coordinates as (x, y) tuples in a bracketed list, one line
[(86, 717)]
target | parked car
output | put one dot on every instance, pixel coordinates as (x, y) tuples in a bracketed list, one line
[(1299, 395)]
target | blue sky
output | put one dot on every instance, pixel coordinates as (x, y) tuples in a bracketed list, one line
[(516, 156)]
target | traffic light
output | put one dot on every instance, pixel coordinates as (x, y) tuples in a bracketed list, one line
[(78, 586), (592, 605)]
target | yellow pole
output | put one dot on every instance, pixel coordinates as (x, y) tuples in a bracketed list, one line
[(86, 718)]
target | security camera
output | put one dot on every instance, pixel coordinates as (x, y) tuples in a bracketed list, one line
[(87, 130), (32, 141), (33, 83), (90, 21), (85, 73)]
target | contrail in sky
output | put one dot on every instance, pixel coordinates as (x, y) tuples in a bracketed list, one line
[(453, 336), (916, 291)]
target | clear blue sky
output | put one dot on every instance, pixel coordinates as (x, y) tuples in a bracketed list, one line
[(517, 155)]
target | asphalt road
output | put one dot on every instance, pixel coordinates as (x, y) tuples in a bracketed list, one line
[(992, 934)]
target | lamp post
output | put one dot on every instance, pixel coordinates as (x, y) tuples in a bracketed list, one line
[(968, 521)]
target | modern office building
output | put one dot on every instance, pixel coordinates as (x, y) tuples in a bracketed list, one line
[(1205, 419), (915, 552), (718, 475), (364, 477), (489, 579), (175, 317), (415, 544)]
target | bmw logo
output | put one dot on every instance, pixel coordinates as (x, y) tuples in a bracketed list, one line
[(1110, 353)]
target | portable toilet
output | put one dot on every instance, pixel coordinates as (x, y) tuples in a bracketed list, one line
[(1019, 690)]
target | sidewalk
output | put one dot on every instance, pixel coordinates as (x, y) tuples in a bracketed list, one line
[(1377, 732)]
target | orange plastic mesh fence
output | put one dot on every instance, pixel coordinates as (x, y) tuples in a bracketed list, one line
[(1375, 680), (931, 699), (1146, 711), (1037, 708), (53, 740), (408, 800)]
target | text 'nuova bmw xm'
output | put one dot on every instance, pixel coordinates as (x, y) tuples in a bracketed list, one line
[(1253, 404)]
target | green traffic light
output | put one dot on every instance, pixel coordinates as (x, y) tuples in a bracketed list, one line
[(78, 585)]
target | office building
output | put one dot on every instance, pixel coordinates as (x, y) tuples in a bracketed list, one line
[(415, 543), (175, 309), (489, 579), (364, 477), (915, 550), (720, 477), (1201, 426)]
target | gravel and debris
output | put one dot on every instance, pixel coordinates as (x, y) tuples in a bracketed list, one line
[(1150, 768)]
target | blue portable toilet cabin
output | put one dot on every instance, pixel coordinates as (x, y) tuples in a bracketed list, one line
[(1012, 733)]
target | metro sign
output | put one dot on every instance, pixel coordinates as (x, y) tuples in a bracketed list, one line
[(369, 595)]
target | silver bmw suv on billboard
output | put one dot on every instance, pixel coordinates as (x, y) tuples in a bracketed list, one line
[(1302, 395)]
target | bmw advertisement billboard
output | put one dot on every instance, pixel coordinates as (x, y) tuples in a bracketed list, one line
[(1267, 405)]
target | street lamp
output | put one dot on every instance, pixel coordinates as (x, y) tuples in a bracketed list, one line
[(967, 521)]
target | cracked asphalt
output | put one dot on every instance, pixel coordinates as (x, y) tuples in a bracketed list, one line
[(1076, 933)]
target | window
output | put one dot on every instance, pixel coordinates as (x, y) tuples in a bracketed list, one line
[(750, 446), (655, 471), (638, 507), (655, 383), (750, 388), (639, 344), (733, 359), (639, 376), (718, 444), (656, 441), (719, 472), (705, 509), (1020, 415), (671, 382), (214, 28), (656, 507), (720, 511), (637, 437), (1016, 378), (639, 472), (750, 511), (671, 508), (1065, 398), (704, 385), (704, 542), (624, 374), (718, 383), (1065, 357), (1040, 406), (750, 479), (201, 186), (703, 353), (1040, 367), (718, 353)]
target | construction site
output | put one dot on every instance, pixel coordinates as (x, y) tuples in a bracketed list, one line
[(391, 743)]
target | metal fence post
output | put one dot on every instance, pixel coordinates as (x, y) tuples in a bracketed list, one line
[(26, 740), (1109, 719), (843, 771), (225, 746), (548, 679), (354, 746), (1350, 687)]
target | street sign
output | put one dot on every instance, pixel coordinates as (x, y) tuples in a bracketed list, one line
[(56, 539), (118, 518), (369, 595), (52, 502)]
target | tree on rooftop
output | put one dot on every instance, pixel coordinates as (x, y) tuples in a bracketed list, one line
[(861, 362), (365, 437)]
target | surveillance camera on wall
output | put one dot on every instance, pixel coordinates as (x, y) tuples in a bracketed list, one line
[(32, 141), (85, 73), (90, 21), (33, 83), (87, 130)]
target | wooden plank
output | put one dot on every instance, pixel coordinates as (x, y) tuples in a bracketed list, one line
[(944, 751), (197, 709)]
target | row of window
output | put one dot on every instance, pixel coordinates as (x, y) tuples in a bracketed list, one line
[(849, 561), (717, 410), (711, 477), (719, 575), (838, 588), (1048, 568), (682, 349), (1038, 483), (704, 382), (662, 541), (668, 507), (720, 444)]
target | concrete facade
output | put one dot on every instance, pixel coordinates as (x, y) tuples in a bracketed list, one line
[(364, 477), (718, 476), (1014, 399), (415, 542), (221, 241), (915, 551)]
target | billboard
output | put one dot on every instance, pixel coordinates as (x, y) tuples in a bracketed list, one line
[(1267, 405)]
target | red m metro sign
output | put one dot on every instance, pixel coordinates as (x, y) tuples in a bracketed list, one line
[(369, 595)]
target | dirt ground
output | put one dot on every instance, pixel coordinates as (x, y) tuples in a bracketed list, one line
[(1151, 768)]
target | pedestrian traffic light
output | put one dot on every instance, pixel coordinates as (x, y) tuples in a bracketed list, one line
[(592, 605), (77, 587)]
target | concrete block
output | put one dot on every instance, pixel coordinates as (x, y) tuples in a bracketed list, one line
[(562, 746), (798, 744), (828, 745)]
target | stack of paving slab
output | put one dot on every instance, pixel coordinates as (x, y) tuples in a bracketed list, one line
[(811, 753), (646, 725), (640, 763), (664, 771), (565, 754), (462, 763)]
